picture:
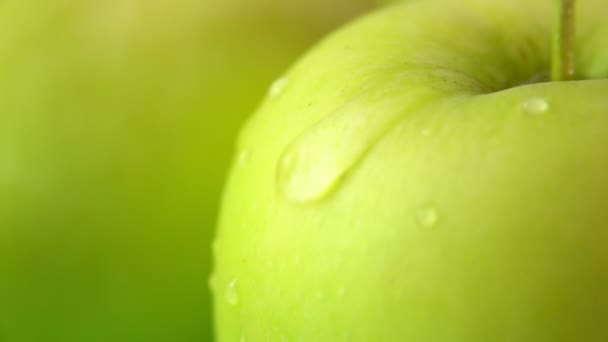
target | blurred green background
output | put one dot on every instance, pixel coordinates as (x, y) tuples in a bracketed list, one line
[(116, 126)]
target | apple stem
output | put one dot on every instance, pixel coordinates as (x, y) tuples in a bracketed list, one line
[(562, 68)]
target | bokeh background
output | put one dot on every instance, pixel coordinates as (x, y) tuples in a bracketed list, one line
[(116, 125)]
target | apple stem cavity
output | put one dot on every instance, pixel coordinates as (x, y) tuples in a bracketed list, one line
[(562, 59)]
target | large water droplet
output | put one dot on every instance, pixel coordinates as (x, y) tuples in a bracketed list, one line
[(311, 166), (277, 87), (427, 216), (232, 295), (535, 106)]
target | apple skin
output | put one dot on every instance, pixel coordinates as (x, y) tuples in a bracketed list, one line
[(116, 125), (478, 213)]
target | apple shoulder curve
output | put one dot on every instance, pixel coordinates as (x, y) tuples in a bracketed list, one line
[(414, 178)]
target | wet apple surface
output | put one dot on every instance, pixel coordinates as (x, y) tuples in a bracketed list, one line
[(409, 182)]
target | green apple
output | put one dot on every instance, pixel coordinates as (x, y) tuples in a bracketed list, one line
[(116, 123), (412, 180)]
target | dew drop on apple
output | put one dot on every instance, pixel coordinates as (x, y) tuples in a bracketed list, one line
[(427, 216), (313, 164), (231, 294), (243, 158), (535, 106), (277, 87)]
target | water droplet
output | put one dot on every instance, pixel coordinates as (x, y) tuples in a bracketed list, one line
[(243, 158), (277, 87), (425, 132), (315, 162), (212, 282), (571, 68), (232, 296), (427, 216), (535, 106)]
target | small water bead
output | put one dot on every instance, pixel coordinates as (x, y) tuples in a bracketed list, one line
[(535, 106), (427, 216), (231, 294), (243, 158), (277, 87)]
